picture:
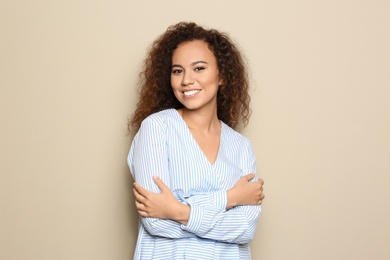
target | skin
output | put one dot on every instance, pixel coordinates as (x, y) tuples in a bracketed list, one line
[(194, 68), (195, 80)]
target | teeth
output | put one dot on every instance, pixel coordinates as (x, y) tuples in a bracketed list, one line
[(191, 92)]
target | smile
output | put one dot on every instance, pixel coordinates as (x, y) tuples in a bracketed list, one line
[(191, 92)]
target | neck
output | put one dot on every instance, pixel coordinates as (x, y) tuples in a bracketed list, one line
[(204, 121)]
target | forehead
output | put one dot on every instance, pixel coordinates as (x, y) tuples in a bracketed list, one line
[(191, 51)]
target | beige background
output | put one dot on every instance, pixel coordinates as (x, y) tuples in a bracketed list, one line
[(320, 124)]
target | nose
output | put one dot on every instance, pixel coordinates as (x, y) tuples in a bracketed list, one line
[(187, 79)]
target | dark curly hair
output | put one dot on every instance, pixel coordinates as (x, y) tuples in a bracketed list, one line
[(154, 81)]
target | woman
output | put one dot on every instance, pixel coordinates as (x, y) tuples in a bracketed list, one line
[(195, 191)]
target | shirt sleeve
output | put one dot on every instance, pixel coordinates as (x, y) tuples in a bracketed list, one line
[(236, 225), (148, 156)]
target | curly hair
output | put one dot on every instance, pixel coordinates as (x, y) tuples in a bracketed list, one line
[(155, 91)]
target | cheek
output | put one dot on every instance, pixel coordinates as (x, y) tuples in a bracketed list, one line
[(175, 82), (212, 78), (177, 94)]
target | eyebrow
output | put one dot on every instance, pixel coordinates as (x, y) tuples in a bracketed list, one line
[(192, 64)]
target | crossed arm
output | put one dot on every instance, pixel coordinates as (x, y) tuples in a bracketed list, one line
[(234, 224), (164, 205), (228, 216)]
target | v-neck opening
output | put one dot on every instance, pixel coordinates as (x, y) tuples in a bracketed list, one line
[(196, 143)]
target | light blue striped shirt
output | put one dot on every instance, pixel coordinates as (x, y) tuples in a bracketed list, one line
[(164, 146)]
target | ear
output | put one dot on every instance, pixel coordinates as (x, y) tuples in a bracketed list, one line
[(221, 82)]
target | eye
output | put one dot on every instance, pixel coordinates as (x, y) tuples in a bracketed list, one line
[(177, 71), (199, 68)]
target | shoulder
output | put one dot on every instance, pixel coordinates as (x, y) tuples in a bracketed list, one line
[(161, 119), (234, 137), (239, 149), (161, 116)]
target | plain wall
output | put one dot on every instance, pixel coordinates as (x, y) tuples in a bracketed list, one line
[(320, 126)]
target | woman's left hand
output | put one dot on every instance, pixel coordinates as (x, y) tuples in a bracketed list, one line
[(159, 205)]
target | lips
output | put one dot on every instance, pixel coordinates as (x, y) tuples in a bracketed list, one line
[(191, 92)]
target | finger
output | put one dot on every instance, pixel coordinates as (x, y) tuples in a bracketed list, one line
[(143, 213), (160, 183), (141, 190), (261, 181), (249, 176), (138, 197), (139, 206)]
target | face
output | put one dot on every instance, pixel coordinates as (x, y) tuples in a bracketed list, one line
[(194, 76)]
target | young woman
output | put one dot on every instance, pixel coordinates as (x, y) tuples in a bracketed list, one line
[(196, 191)]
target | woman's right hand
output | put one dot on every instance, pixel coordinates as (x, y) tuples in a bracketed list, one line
[(245, 192)]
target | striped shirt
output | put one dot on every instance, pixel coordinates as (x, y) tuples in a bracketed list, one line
[(164, 146)]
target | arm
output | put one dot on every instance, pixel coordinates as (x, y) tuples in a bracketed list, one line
[(235, 225), (148, 157), (161, 205), (207, 216), (207, 220), (164, 205), (243, 193)]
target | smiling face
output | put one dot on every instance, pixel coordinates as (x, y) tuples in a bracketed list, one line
[(194, 76)]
